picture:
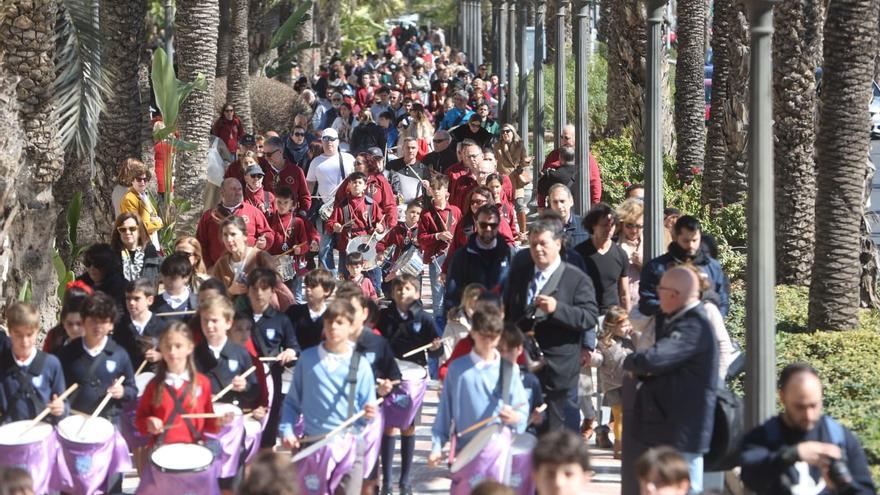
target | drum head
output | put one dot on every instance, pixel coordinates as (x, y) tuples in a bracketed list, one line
[(364, 244), (141, 381), (182, 457), (14, 433), (523, 443), (82, 429), (475, 446), (223, 408), (410, 371), (252, 426)]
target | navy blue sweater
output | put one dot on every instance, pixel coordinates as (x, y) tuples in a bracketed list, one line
[(96, 375), (160, 306), (272, 333), (407, 333), (234, 360), (308, 331), (24, 392), (376, 349), (136, 344)]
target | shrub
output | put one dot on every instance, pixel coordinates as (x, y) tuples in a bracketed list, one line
[(273, 104)]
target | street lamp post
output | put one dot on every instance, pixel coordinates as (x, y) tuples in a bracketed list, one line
[(760, 284), (502, 57), (559, 121), (653, 244), (523, 104), (477, 56), (582, 112), (511, 66), (538, 126)]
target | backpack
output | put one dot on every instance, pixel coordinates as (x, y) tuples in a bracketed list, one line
[(727, 432)]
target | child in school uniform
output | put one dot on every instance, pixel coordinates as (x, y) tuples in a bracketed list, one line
[(466, 399), (378, 353), (176, 271), (30, 379), (407, 327), (511, 347), (307, 318), (223, 362), (402, 236), (97, 363), (70, 326), (294, 236), (354, 262), (138, 331), (355, 215), (272, 336), (324, 395)]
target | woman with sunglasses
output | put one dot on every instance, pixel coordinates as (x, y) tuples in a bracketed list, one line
[(137, 255), (513, 161), (228, 127), (631, 213), (136, 201), (344, 123)]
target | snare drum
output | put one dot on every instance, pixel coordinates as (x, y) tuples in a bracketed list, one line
[(484, 457), (93, 450), (230, 439), (402, 405), (253, 434), (184, 468), (286, 267), (519, 466), (35, 451), (321, 472), (409, 262)]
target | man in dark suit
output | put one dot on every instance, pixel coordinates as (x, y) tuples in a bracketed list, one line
[(675, 403), (562, 301)]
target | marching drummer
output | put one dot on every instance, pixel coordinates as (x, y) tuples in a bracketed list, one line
[(138, 331), (403, 236), (294, 237), (30, 379), (465, 399), (307, 319), (356, 215)]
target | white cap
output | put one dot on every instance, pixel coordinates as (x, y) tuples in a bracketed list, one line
[(330, 132)]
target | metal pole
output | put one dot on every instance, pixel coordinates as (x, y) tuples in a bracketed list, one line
[(560, 120), (502, 60), (495, 54), (523, 105), (582, 111), (653, 246), (511, 67), (760, 292), (478, 35), (169, 29), (538, 150)]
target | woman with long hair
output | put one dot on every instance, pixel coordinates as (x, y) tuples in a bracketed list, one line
[(228, 127), (513, 161), (631, 214), (137, 255), (344, 124), (191, 247)]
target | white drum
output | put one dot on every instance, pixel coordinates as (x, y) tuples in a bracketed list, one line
[(409, 262), (83, 429), (410, 371), (141, 381), (224, 408), (12, 434), (286, 267), (182, 458), (35, 450)]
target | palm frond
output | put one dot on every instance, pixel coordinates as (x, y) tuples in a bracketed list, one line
[(81, 83)]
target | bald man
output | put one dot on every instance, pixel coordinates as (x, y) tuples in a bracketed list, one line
[(675, 403), (231, 204), (792, 452)]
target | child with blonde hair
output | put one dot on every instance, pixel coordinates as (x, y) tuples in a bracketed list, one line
[(613, 347)]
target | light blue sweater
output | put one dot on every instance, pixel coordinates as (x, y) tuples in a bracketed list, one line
[(321, 396), (472, 394)]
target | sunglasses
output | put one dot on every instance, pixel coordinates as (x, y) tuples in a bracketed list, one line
[(299, 134), (633, 225), (328, 138), (479, 201), (488, 225), (140, 179), (256, 176), (123, 230), (507, 131)]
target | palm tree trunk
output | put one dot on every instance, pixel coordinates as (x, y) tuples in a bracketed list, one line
[(196, 50), (796, 46), (285, 8), (237, 84), (327, 23), (121, 122), (842, 148), (716, 143), (604, 26), (224, 39), (736, 112), (690, 94), (27, 39), (12, 161)]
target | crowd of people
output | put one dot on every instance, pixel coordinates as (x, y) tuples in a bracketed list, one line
[(293, 320)]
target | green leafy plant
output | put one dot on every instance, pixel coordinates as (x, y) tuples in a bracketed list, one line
[(284, 34)]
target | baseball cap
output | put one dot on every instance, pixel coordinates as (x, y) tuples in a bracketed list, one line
[(255, 170), (330, 133), (375, 151), (247, 140)]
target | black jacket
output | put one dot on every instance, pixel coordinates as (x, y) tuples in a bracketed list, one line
[(377, 351), (439, 161), (152, 262), (482, 137), (234, 360), (160, 306), (470, 264), (407, 333), (559, 334), (272, 333), (24, 392), (96, 375), (675, 404), (366, 136), (308, 332), (135, 344)]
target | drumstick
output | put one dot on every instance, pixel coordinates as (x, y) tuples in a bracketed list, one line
[(422, 348), (101, 406), (290, 250), (345, 424), (272, 358), (141, 367), (227, 388), (480, 424), (176, 313), (47, 409), (540, 409)]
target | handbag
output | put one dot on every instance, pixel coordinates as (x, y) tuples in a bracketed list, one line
[(727, 432)]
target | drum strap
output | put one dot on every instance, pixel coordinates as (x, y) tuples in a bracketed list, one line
[(352, 380), (178, 409), (504, 377), (348, 212), (25, 385), (90, 373)]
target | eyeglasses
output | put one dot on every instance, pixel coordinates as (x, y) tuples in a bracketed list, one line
[(186, 253), (328, 139), (270, 153), (336, 100), (123, 230), (488, 225), (633, 225), (140, 179), (507, 131), (299, 134), (256, 176)]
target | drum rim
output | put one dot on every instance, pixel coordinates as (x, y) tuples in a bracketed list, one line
[(49, 429), (190, 470), (494, 428), (90, 441)]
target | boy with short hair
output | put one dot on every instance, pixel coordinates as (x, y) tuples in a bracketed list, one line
[(138, 331), (466, 399), (30, 379), (331, 384), (356, 215), (511, 347), (354, 263), (306, 319), (176, 271), (557, 452), (436, 229), (402, 236), (294, 236), (663, 470)]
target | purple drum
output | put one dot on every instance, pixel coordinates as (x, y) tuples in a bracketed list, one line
[(126, 424), (322, 471), (402, 405), (93, 450), (372, 439), (253, 433), (181, 469), (230, 438), (519, 466), (36, 451), (483, 458)]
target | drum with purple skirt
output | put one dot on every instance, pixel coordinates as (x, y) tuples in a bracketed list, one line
[(253, 433), (36, 451), (402, 405), (483, 458), (181, 469), (322, 471), (371, 437), (126, 425), (519, 467), (93, 450), (230, 439)]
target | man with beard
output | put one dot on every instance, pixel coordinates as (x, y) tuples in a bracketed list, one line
[(231, 204)]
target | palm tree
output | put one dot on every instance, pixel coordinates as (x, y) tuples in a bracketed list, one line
[(736, 112), (224, 39), (716, 143), (796, 48), (327, 25), (28, 28), (237, 84), (196, 52), (690, 94), (842, 148), (12, 142)]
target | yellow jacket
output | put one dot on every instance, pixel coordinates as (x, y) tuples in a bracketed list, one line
[(133, 203)]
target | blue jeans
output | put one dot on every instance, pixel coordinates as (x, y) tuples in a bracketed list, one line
[(296, 287), (325, 249), (695, 471)]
